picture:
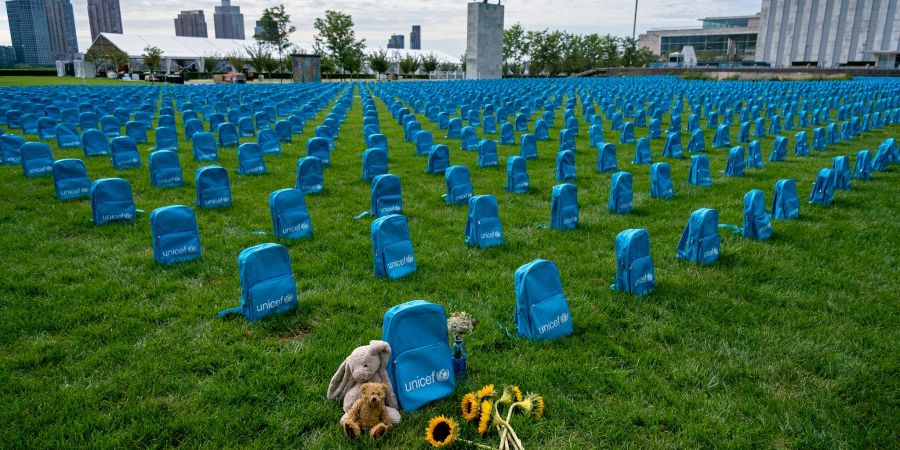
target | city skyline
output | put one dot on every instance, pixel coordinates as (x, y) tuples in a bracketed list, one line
[(445, 20), (104, 16)]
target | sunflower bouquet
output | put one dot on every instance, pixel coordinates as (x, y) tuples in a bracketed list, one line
[(485, 408)]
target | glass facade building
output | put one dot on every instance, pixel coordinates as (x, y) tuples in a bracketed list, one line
[(715, 46)]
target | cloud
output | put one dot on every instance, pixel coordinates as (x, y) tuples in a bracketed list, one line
[(443, 21)]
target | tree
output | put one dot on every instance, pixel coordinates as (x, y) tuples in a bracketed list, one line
[(379, 62), (409, 64), (259, 57), (237, 61), (210, 62), (463, 61), (337, 40), (276, 29), (515, 47), (429, 63), (152, 57), (645, 56)]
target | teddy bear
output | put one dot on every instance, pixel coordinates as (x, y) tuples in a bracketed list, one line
[(367, 363), (368, 412)]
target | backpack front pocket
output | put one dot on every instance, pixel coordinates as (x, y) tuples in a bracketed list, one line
[(763, 225), (253, 167), (112, 210), (73, 188), (641, 277), (568, 217), (666, 190), (624, 202), (176, 247), (422, 375), (490, 232), (215, 197), (791, 209), (460, 194), (273, 296), (388, 204), (398, 259), (126, 160), (169, 177), (550, 318), (708, 248), (38, 168), (293, 225)]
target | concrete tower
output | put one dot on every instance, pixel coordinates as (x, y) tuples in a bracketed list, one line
[(484, 43)]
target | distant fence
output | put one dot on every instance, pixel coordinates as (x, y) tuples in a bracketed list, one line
[(27, 72)]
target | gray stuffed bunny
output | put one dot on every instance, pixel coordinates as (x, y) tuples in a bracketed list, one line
[(367, 364)]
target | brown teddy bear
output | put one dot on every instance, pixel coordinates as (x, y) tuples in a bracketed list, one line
[(369, 412)]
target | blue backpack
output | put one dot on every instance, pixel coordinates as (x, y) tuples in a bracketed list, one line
[(541, 130), (374, 163), (290, 219), (516, 175), (175, 234), (567, 139), (883, 156), (621, 196), (111, 200), (700, 241), (779, 149), (757, 222), (823, 189), (392, 251), (634, 265), (228, 135), (661, 181), (424, 141), (124, 153), (318, 147), (606, 158), (699, 174), (744, 132), (721, 138), (595, 135), (70, 179), (67, 136), (564, 207), (250, 159), (565, 165), (627, 134), (642, 154), (267, 282), (166, 138), (419, 367), (841, 172), (754, 155), (36, 159), (528, 146), (468, 139), (542, 311), (386, 195), (204, 146), (672, 148), (507, 134), (487, 153), (10, 149), (213, 187), (459, 185), (165, 169), (801, 144), (697, 143), (862, 169), (735, 165), (483, 228), (438, 159), (785, 203), (377, 140), (268, 142), (310, 177)]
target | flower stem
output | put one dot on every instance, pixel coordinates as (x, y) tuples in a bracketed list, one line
[(476, 444)]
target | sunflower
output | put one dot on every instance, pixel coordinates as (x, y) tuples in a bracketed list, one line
[(486, 391), (507, 398), (518, 393), (469, 407), (441, 431), (539, 410), (485, 419)]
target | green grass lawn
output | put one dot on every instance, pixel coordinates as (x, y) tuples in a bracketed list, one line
[(54, 80), (790, 342)]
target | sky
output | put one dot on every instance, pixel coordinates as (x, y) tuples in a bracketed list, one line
[(443, 21)]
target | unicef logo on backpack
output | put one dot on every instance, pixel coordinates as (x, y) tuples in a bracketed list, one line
[(408, 259)]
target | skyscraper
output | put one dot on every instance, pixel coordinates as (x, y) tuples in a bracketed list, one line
[(191, 24), (228, 21), (28, 31), (258, 29), (61, 25), (396, 41), (105, 17), (415, 38)]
